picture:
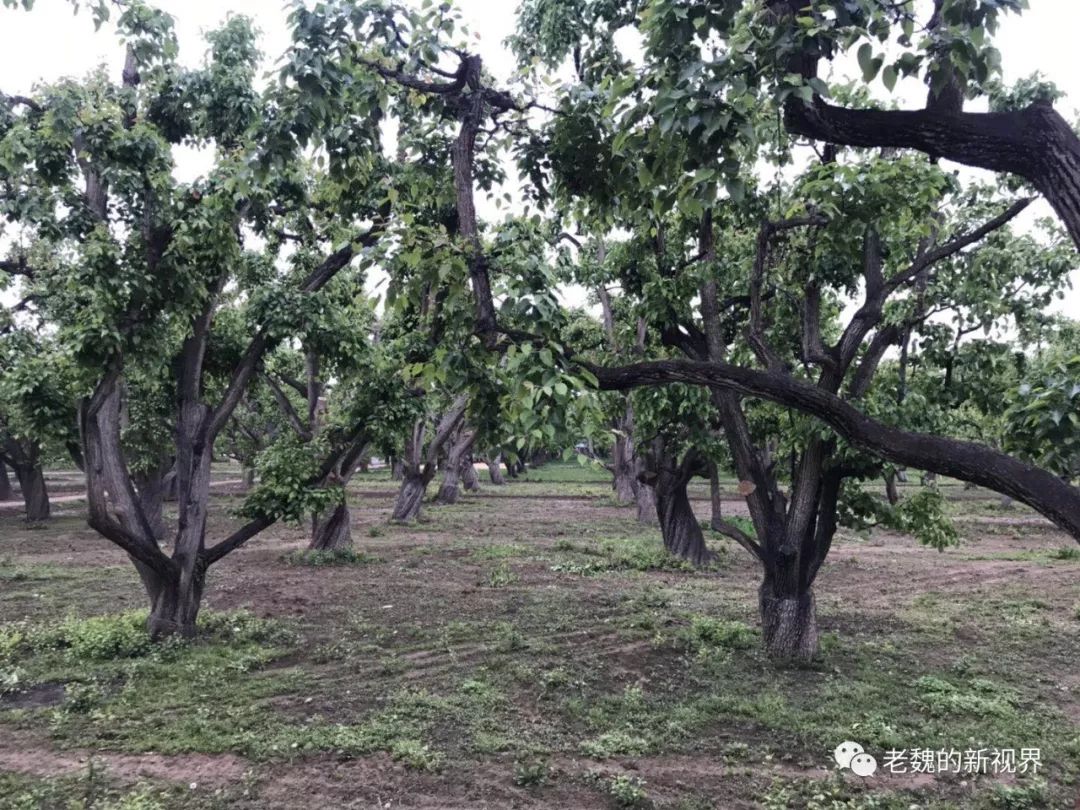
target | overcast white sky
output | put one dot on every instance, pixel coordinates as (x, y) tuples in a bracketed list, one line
[(50, 42)]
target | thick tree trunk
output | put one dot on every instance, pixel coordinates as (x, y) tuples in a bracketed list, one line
[(410, 497), (34, 494), (645, 497), (6, 493), (332, 530), (452, 469), (397, 470), (174, 603), (247, 478), (788, 622), (678, 523), (449, 489), (494, 465), (624, 485)]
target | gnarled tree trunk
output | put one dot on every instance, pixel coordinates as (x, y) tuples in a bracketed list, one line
[(34, 493), (410, 497), (332, 530), (174, 602), (678, 523), (459, 450), (788, 622), (418, 462)]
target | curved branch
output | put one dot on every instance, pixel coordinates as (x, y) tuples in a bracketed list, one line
[(967, 461), (1035, 143)]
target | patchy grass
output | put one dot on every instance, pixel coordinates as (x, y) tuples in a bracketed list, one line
[(540, 652), (319, 558)]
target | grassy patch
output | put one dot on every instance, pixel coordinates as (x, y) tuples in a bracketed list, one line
[(633, 553), (318, 559)]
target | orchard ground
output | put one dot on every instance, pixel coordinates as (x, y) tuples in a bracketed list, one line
[(533, 646)]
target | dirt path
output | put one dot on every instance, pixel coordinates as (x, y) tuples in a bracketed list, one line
[(81, 496)]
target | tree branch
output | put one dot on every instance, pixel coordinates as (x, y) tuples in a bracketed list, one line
[(967, 461)]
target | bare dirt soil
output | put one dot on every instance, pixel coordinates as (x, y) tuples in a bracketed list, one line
[(530, 647)]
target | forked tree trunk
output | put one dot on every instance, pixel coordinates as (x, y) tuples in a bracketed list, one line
[(494, 465), (6, 493), (174, 603), (410, 497), (34, 494), (788, 621), (452, 469), (332, 531), (469, 479), (678, 523)]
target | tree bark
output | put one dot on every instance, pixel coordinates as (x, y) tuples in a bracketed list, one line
[(151, 495), (645, 497), (469, 480), (678, 523), (174, 603), (450, 490), (397, 470), (891, 492), (788, 623), (6, 493), (967, 461), (410, 497), (34, 493), (623, 466), (1035, 143), (494, 465), (332, 531), (247, 478), (715, 499)]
